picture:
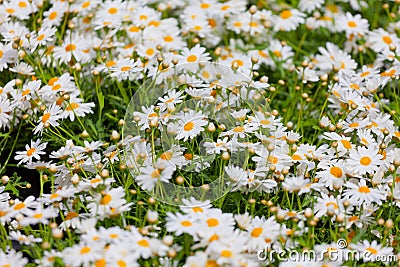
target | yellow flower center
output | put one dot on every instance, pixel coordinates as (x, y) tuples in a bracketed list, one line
[(286, 14), (186, 223), (86, 4), (226, 253), (105, 199), (188, 126), (346, 144), (387, 39), (336, 171), (53, 15), (168, 39), (85, 250), (22, 4), (191, 58), (273, 159), (143, 243), (100, 263), (45, 117), (335, 206), (125, 68), (256, 232), (155, 174), (41, 37), (70, 215), (72, 106), (38, 215), (365, 161), (70, 47), (19, 206), (372, 250), (150, 51), (212, 222), (30, 151), (113, 10), (351, 24), (364, 189)]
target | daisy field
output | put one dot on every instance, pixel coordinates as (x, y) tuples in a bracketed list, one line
[(199, 133)]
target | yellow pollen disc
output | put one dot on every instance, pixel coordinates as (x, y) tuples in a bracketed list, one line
[(53, 15), (38, 215), (134, 29), (105, 199), (256, 232), (54, 195), (110, 63), (72, 106), (85, 250), (40, 37), (155, 174), (100, 263), (285, 14), (365, 161), (253, 24), (346, 144), (45, 117), (191, 58), (52, 81), (238, 62), (277, 53), (125, 68), (237, 24), (336, 171), (19, 206), (364, 189), (30, 151), (366, 73), (273, 159), (197, 209), (186, 223), (166, 155), (70, 47), (387, 40), (168, 39), (25, 92), (143, 243), (353, 218), (238, 129), (150, 51), (22, 4), (188, 126), (226, 253), (113, 10), (214, 237), (212, 263), (86, 4), (335, 206), (354, 125), (197, 28), (212, 222), (225, 7), (71, 215), (351, 24)]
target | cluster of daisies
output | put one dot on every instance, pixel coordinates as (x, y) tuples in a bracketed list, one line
[(247, 129)]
